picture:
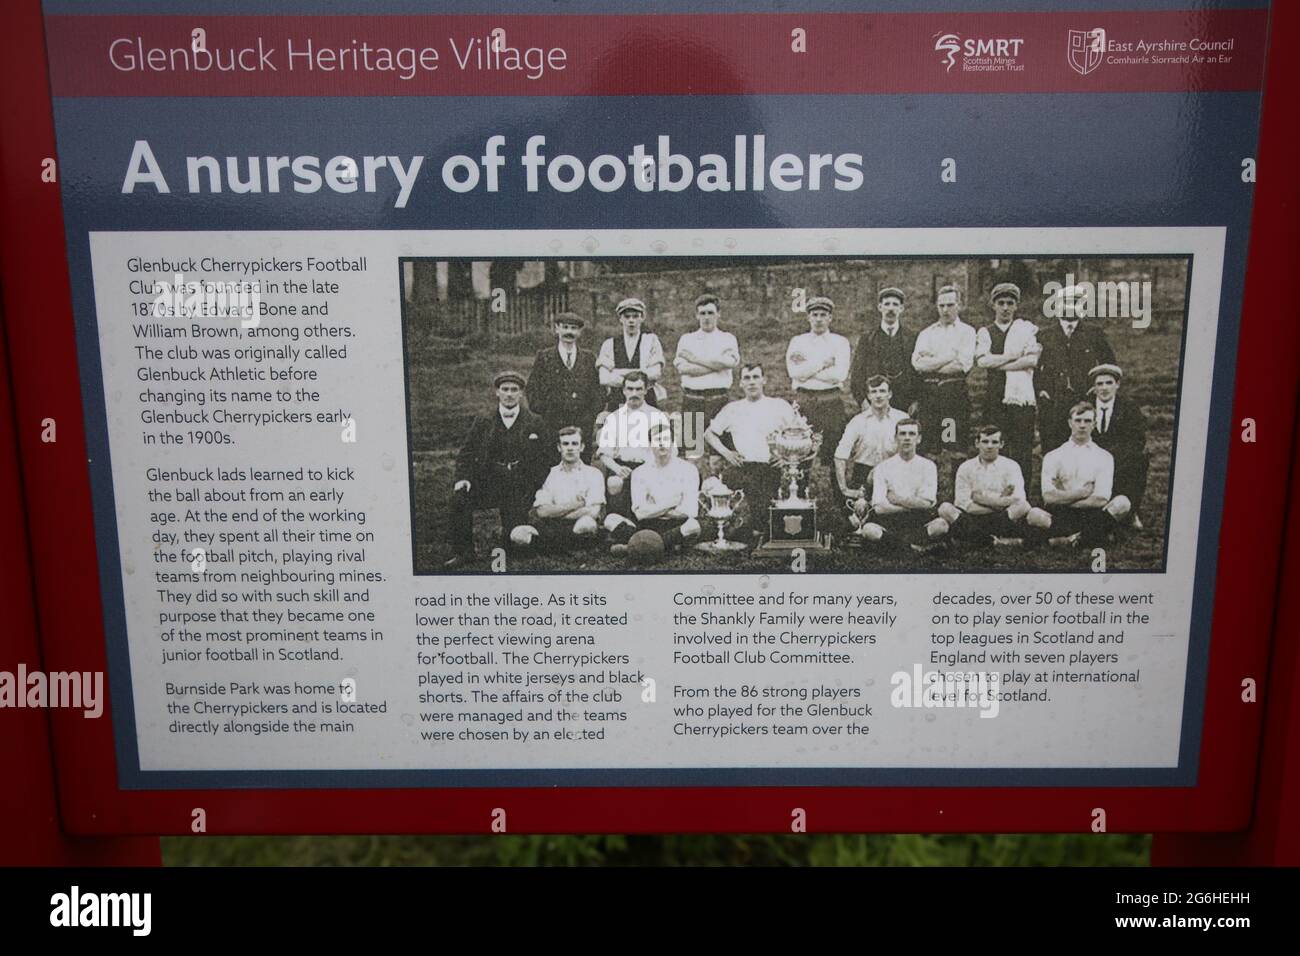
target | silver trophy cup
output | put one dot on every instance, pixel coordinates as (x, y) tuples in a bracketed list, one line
[(792, 517), (791, 446), (720, 503)]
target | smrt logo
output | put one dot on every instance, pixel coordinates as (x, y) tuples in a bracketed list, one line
[(1085, 49), (948, 44), (983, 54)]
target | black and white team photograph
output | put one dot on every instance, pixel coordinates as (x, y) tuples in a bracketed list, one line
[(920, 414)]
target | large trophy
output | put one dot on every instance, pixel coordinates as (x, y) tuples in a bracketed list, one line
[(720, 503), (792, 518)]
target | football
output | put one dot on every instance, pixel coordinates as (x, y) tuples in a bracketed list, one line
[(645, 547)]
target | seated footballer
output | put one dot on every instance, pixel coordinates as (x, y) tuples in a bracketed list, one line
[(567, 508), (903, 492), (665, 498), (1079, 504), (989, 503)]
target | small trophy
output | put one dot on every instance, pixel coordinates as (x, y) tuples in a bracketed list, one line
[(720, 503), (859, 512), (792, 518)]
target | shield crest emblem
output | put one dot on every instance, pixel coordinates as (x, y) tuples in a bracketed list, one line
[(1085, 49), (793, 524)]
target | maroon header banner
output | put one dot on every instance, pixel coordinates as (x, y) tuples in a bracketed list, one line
[(431, 55)]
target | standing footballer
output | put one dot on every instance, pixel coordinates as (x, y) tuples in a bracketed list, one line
[(739, 435), (1008, 348), (819, 363), (944, 354), (706, 359), (633, 351)]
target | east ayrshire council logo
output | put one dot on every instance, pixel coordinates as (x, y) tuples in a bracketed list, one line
[(1085, 49)]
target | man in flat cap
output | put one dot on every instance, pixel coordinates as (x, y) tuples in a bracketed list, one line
[(886, 349), (1072, 347), (1122, 431), (819, 362), (500, 466), (564, 386), (1008, 348), (634, 350), (944, 354)]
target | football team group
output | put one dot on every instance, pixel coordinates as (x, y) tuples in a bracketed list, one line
[(580, 452)]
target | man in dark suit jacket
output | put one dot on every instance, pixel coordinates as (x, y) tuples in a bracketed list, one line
[(501, 464), (1122, 431), (886, 349), (1071, 350), (564, 386)]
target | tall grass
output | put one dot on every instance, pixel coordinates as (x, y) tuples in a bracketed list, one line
[(690, 850)]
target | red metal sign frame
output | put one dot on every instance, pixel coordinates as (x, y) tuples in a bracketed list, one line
[(39, 326)]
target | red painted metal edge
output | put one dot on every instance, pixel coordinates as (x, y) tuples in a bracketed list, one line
[(1273, 838), (30, 829), (63, 550)]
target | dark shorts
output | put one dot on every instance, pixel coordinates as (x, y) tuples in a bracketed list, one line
[(858, 477), (905, 527), (703, 402), (621, 503), (760, 482), (941, 401), (1092, 524), (982, 528), (555, 536), (508, 492), (1131, 478)]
